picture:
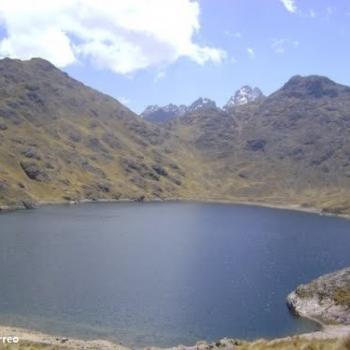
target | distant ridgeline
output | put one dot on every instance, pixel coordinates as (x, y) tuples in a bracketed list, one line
[(157, 114), (63, 141)]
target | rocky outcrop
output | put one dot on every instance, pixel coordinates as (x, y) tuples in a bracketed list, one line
[(326, 299), (33, 171)]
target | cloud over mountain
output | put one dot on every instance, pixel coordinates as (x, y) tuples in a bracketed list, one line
[(123, 36)]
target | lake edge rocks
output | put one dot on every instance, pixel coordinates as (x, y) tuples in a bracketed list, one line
[(325, 300)]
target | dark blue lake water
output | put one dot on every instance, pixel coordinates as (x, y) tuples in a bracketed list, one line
[(162, 273)]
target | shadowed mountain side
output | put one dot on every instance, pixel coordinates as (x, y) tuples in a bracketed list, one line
[(292, 147)]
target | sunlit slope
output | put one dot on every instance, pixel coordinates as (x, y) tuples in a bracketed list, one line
[(60, 140)]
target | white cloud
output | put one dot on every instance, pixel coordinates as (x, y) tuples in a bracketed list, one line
[(251, 52), (289, 5), (123, 36), (280, 46)]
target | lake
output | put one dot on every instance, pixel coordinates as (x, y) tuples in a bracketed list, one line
[(163, 273)]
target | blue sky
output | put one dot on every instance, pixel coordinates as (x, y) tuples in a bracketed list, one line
[(207, 48)]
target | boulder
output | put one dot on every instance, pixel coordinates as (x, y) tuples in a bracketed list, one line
[(33, 171)]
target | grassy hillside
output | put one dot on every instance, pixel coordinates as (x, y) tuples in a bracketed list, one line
[(63, 141), (60, 140)]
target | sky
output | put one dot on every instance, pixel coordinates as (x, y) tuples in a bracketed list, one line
[(174, 51)]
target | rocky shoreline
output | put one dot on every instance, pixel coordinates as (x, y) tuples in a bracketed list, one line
[(325, 299)]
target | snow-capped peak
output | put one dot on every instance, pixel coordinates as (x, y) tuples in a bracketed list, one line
[(244, 95)]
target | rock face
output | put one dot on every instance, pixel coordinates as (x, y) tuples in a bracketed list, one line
[(202, 104), (157, 114), (244, 95), (33, 171), (326, 299)]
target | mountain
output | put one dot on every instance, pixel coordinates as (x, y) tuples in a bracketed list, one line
[(244, 95), (312, 87), (63, 141), (201, 104), (157, 114), (291, 147)]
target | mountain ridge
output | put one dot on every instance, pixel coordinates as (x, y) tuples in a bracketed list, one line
[(63, 141), (242, 96), (157, 114)]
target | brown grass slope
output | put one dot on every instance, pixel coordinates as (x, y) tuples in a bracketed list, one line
[(61, 140)]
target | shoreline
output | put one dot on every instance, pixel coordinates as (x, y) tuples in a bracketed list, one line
[(292, 207), (38, 338), (33, 337)]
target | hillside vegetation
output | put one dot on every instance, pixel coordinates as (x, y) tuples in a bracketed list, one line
[(63, 141), (60, 140)]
